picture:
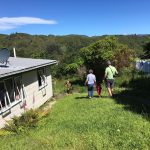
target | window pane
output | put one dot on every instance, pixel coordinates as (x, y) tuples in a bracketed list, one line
[(18, 88), (10, 89), (2, 95), (41, 77)]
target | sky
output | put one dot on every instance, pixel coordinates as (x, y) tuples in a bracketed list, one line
[(82, 17)]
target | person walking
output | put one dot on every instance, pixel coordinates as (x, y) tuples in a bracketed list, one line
[(110, 72), (99, 81), (90, 81), (99, 89)]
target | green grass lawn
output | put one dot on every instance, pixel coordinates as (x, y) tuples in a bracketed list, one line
[(77, 123)]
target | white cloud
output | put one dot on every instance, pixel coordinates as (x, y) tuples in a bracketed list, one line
[(11, 23)]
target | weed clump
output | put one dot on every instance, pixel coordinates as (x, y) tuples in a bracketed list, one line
[(23, 123)]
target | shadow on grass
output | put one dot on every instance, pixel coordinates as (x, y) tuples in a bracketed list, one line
[(136, 98), (86, 97), (81, 97)]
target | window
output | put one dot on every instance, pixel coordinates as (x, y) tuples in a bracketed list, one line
[(2, 96), (11, 92), (6, 93), (19, 92), (9, 89), (41, 73)]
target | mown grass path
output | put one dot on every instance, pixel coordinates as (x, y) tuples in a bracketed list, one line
[(78, 123)]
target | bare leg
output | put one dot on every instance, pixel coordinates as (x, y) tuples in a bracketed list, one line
[(110, 91)]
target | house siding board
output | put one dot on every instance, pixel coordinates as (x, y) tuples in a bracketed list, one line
[(31, 86), (14, 111)]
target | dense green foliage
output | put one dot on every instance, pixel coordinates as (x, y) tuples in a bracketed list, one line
[(135, 42), (97, 54), (106, 49), (146, 54), (65, 49)]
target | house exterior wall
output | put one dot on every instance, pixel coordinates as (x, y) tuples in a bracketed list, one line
[(36, 96)]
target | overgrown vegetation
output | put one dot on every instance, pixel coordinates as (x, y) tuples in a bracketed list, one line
[(23, 123), (65, 49), (77, 122), (97, 54)]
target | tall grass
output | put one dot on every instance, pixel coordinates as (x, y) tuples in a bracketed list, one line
[(78, 123), (59, 86)]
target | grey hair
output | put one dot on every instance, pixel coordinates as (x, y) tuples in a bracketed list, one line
[(108, 62), (90, 71)]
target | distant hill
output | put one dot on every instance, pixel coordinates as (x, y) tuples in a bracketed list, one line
[(54, 46), (135, 41)]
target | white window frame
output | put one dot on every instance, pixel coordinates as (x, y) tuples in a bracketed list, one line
[(16, 101), (6, 107), (22, 90), (42, 71)]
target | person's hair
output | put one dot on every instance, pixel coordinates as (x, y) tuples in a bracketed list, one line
[(90, 71), (108, 62)]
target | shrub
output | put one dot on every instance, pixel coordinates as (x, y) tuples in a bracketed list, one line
[(97, 54), (26, 121)]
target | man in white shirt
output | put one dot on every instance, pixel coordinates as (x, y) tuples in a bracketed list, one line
[(90, 81)]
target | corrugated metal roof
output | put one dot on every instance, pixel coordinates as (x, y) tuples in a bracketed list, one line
[(18, 65)]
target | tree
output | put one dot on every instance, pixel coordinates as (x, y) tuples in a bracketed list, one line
[(96, 55), (146, 51)]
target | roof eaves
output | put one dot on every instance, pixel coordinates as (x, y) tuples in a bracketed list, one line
[(28, 69)]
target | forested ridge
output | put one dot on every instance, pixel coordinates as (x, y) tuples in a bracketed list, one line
[(65, 49), (75, 120)]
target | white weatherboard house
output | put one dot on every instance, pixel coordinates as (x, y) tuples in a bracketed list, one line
[(25, 83)]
